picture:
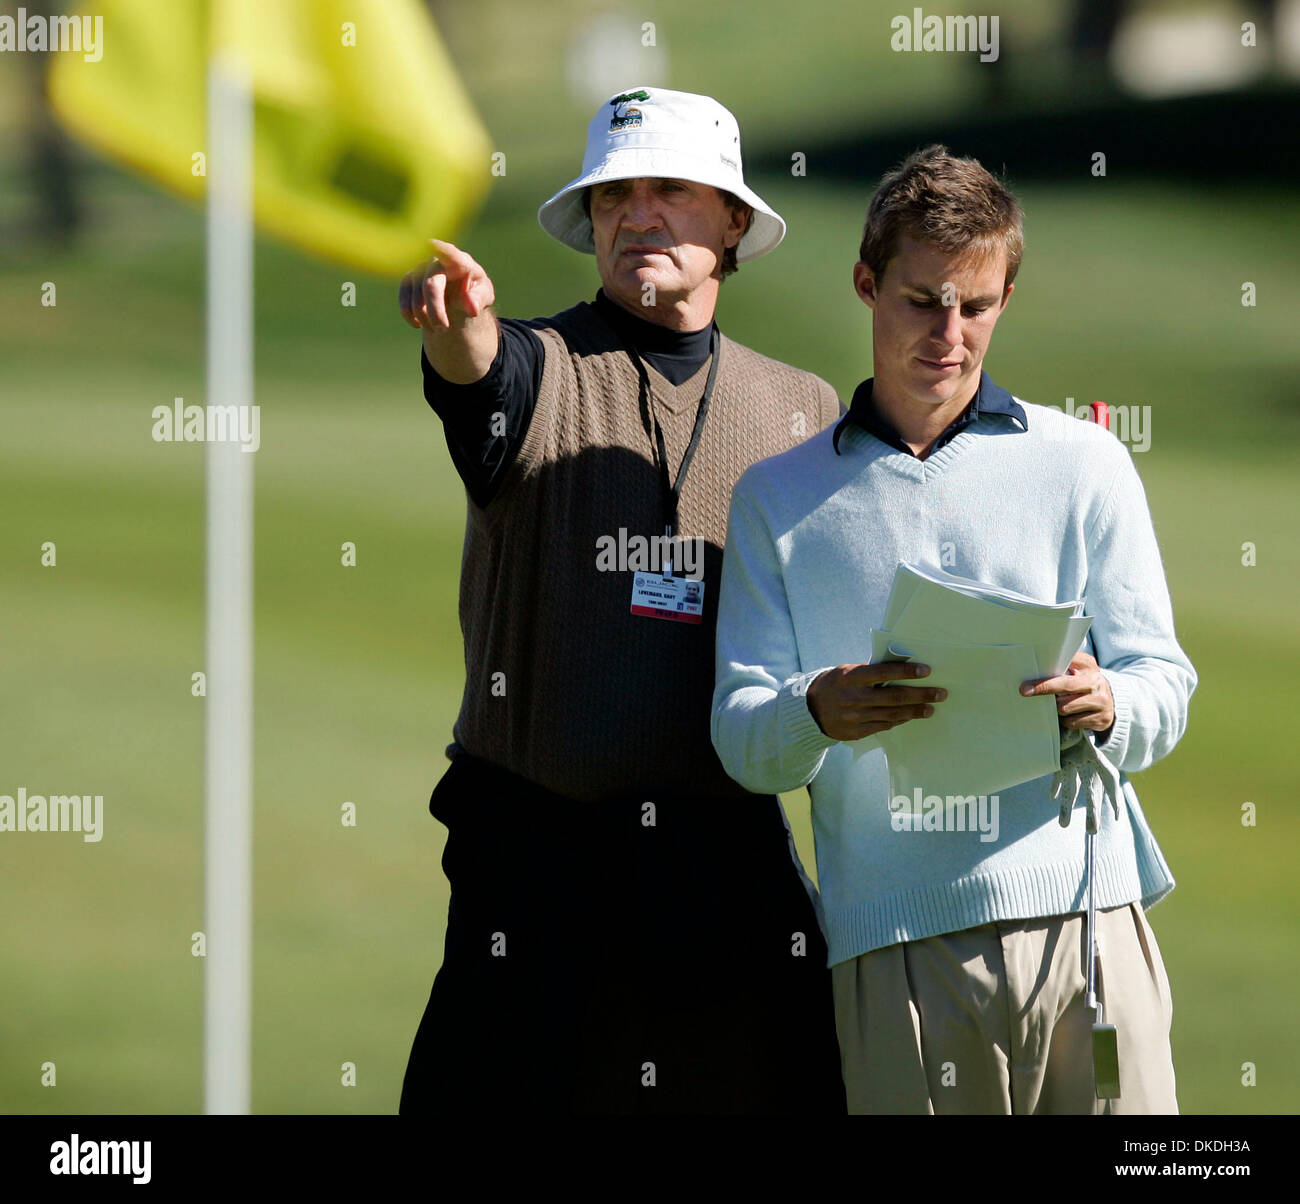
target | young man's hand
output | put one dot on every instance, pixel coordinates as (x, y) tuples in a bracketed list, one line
[(852, 701), (1083, 697)]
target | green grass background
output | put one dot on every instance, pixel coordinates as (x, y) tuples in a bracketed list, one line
[(1130, 293)]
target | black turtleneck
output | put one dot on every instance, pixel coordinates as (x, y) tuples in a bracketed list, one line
[(510, 387), (676, 355)]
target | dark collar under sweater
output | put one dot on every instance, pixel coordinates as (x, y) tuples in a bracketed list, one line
[(989, 399), (674, 354)]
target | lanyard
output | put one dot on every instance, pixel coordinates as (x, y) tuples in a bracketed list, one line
[(672, 490)]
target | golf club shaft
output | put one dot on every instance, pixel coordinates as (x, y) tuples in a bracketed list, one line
[(1090, 841)]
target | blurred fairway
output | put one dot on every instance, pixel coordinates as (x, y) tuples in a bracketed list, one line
[(1130, 294)]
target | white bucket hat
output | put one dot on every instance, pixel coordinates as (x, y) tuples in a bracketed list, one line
[(670, 135)]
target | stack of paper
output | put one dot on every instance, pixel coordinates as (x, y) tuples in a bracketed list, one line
[(981, 642)]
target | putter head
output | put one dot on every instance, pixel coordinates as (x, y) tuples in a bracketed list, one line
[(1105, 1061)]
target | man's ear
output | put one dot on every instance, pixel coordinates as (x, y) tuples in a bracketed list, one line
[(742, 217), (864, 283), (1011, 288)]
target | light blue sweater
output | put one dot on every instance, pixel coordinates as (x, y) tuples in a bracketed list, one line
[(1056, 511)]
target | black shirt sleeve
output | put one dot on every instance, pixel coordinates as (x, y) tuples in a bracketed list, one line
[(485, 422)]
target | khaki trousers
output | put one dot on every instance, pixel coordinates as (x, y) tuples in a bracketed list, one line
[(992, 1020)]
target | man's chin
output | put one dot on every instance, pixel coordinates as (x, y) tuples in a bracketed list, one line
[(938, 393), (933, 396), (641, 273), (642, 287)]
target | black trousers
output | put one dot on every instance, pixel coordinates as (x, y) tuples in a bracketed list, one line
[(654, 955)]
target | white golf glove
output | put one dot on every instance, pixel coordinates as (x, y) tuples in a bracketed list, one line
[(1085, 767)]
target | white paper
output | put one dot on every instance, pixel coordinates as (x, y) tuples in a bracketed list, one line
[(985, 736), (981, 642), (908, 576), (921, 605)]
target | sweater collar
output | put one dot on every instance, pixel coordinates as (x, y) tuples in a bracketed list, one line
[(989, 399)]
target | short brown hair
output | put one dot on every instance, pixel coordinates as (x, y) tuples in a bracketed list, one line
[(953, 204), (730, 199)]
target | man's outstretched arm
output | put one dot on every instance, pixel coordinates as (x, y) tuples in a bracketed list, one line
[(481, 376), (449, 298)]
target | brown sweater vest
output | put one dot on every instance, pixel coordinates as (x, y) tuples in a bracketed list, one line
[(563, 684)]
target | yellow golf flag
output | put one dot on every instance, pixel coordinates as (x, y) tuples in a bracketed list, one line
[(365, 141)]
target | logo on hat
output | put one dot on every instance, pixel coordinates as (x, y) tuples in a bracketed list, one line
[(625, 118)]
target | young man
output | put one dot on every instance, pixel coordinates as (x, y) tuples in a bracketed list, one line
[(958, 963), (629, 930)]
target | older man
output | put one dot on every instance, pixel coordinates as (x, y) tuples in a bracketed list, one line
[(959, 964), (629, 930)]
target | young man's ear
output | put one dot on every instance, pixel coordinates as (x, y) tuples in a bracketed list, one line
[(864, 283)]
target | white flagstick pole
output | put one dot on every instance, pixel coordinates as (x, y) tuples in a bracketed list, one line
[(228, 847)]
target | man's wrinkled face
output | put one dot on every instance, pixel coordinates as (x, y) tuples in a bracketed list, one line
[(662, 232), (933, 315)]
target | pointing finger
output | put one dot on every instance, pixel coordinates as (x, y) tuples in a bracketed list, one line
[(452, 257)]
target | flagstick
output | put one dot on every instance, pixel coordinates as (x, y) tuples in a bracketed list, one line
[(228, 844)]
